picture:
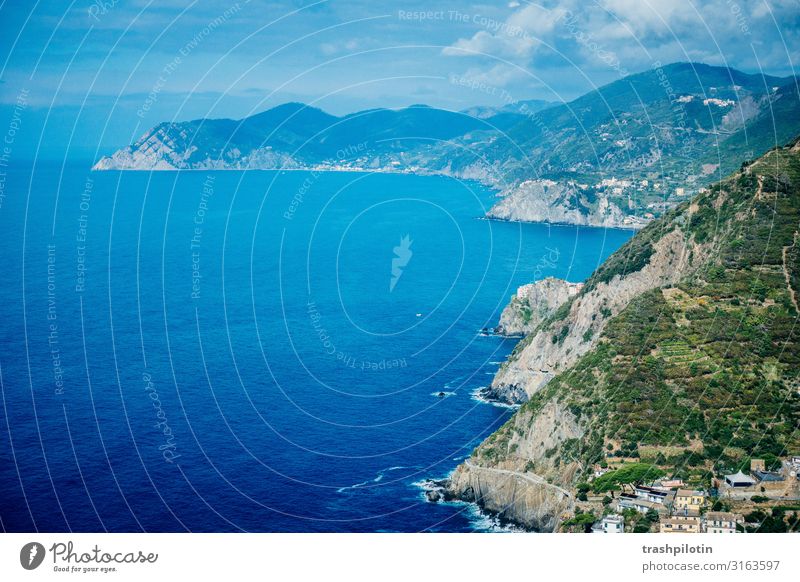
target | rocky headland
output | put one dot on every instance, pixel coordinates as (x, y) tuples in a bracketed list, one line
[(646, 353)]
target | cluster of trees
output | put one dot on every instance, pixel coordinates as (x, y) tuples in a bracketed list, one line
[(627, 474), (779, 520)]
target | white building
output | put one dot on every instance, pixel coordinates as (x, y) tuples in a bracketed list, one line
[(610, 524), (739, 480), (651, 494), (640, 504), (721, 522)]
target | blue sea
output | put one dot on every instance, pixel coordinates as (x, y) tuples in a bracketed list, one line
[(252, 351)]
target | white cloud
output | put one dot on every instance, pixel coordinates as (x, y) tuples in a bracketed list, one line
[(537, 20), (332, 48), (517, 37), (485, 43), (637, 32), (647, 16)]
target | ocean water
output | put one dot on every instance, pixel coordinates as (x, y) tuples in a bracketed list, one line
[(257, 351)]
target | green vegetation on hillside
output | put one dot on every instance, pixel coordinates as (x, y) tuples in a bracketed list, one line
[(697, 378)]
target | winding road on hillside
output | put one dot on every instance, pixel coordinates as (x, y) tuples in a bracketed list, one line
[(792, 294), (532, 478)]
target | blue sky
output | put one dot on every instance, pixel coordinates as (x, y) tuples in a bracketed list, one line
[(102, 72)]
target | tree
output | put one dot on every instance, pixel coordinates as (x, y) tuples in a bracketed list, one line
[(632, 473), (721, 505)]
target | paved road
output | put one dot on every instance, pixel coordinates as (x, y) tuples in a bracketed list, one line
[(787, 276), (532, 478)]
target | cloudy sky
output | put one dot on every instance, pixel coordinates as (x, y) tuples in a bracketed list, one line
[(104, 71)]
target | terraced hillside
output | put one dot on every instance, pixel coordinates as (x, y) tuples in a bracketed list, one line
[(695, 375)]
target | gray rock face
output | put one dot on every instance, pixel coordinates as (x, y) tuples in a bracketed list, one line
[(533, 303), (559, 203), (536, 507), (550, 351), (526, 486)]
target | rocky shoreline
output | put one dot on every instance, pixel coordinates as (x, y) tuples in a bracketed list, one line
[(534, 201), (551, 202), (521, 500), (506, 399), (513, 494), (532, 488)]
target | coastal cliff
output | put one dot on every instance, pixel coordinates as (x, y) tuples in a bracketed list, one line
[(693, 316), (569, 163), (533, 303), (654, 259), (561, 203), (528, 487)]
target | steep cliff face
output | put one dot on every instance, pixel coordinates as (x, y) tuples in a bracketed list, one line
[(155, 150), (533, 303), (560, 203), (650, 262), (189, 145), (514, 475), (680, 350)]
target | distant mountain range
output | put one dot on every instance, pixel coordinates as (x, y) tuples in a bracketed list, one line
[(617, 156), (525, 107)]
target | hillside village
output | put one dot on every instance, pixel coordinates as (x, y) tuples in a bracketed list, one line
[(662, 395), (643, 199), (618, 156), (758, 500)]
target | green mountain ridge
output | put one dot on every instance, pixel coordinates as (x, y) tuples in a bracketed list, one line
[(693, 377), (634, 147)]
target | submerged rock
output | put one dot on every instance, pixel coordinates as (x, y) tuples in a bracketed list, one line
[(436, 490), (433, 495)]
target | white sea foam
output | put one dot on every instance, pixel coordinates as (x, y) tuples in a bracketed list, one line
[(478, 396), (378, 478), (483, 522), (443, 394), (479, 520)]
